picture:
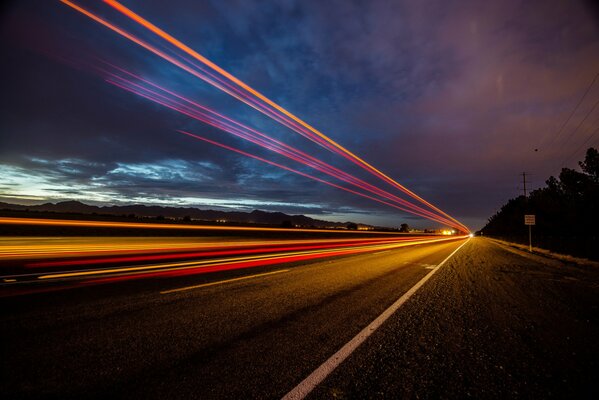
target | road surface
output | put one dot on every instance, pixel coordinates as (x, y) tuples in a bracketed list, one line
[(489, 323)]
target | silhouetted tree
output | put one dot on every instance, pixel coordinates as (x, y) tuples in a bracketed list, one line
[(567, 211), (352, 226), (404, 228), (590, 165)]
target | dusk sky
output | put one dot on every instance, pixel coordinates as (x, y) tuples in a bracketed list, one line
[(449, 98)]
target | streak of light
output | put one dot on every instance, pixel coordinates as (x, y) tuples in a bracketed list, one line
[(203, 285), (198, 267), (102, 246), (207, 115), (303, 128), (142, 225), (205, 253), (17, 285), (298, 172), (335, 146)]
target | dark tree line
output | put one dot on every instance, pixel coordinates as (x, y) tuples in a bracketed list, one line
[(566, 209)]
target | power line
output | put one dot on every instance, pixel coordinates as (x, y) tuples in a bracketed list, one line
[(563, 164), (567, 160), (575, 108), (581, 122)]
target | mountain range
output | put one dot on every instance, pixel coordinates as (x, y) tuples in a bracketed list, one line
[(187, 213)]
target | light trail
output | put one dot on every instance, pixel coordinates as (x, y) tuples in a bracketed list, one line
[(212, 257), (211, 117), (178, 266), (167, 226), (263, 247), (284, 151), (171, 269), (264, 105), (296, 171), (311, 131), (52, 247)]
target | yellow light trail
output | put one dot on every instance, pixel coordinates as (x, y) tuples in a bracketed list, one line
[(142, 225), (72, 247), (234, 260), (114, 244)]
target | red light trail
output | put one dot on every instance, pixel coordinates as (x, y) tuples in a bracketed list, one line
[(214, 252), (299, 172), (211, 117), (243, 92), (164, 257)]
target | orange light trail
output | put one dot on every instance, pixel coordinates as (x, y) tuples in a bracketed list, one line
[(15, 248), (142, 225), (269, 255), (298, 172), (263, 247), (213, 118), (285, 117), (178, 269), (341, 150)]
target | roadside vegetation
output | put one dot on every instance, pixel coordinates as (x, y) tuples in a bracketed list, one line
[(566, 209)]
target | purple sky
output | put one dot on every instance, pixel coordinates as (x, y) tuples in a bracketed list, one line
[(449, 98)]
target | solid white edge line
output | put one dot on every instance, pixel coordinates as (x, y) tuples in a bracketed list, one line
[(315, 378)]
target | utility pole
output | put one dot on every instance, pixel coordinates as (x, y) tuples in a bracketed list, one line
[(527, 219)]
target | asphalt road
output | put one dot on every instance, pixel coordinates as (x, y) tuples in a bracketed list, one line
[(32, 265), (494, 322), (252, 338), (491, 323)]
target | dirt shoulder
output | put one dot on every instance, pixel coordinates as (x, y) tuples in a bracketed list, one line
[(546, 253), (494, 322)]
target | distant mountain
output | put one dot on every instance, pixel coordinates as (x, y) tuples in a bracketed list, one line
[(140, 210)]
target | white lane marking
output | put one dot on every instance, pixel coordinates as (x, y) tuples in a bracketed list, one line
[(221, 282), (315, 378)]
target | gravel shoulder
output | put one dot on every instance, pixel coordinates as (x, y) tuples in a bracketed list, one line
[(494, 322)]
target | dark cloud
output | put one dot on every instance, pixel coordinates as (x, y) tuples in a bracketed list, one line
[(450, 98)]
